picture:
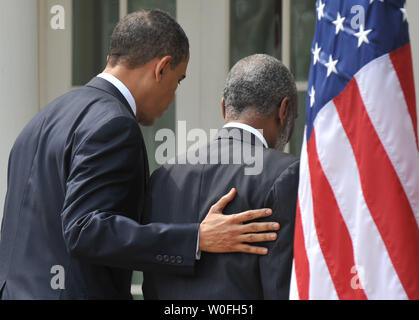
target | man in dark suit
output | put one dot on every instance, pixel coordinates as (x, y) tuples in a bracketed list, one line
[(78, 176), (260, 93)]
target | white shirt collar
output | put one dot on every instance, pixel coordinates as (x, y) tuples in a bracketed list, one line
[(248, 128), (122, 88)]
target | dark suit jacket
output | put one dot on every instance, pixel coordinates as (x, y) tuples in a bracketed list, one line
[(77, 181), (190, 190)]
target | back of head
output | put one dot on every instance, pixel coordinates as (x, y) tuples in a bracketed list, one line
[(147, 34), (258, 82)]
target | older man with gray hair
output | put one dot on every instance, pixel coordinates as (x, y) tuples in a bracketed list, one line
[(259, 105)]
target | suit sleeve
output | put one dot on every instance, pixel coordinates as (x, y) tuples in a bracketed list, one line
[(275, 267), (98, 214)]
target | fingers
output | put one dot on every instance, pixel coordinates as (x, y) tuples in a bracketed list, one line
[(259, 227), (220, 204), (220, 233), (252, 249), (258, 237), (252, 215)]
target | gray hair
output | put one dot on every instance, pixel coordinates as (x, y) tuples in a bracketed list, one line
[(259, 82), (147, 34)]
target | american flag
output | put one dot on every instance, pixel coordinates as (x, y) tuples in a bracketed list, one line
[(357, 222)]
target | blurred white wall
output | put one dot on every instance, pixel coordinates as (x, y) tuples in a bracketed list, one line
[(18, 76), (200, 93)]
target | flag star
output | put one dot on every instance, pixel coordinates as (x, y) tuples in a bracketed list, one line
[(320, 10), (331, 66), (362, 35), (339, 23), (403, 10), (312, 95), (316, 54)]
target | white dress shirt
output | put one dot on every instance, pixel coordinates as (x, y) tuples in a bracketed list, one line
[(122, 88), (248, 128)]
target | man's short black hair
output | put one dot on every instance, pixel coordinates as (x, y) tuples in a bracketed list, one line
[(147, 34)]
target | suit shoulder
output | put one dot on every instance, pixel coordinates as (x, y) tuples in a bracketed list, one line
[(289, 178), (88, 102), (93, 108), (276, 162), (114, 128), (279, 155), (284, 188), (104, 103)]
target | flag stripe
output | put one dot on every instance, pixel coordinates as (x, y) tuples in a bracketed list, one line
[(402, 62), (359, 174), (302, 271), (381, 187), (331, 230), (385, 105), (293, 284), (340, 168), (321, 286)]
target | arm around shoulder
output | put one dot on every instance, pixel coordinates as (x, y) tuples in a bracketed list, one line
[(106, 178)]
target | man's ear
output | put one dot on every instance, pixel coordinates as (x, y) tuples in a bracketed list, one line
[(283, 111), (223, 107), (161, 66)]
